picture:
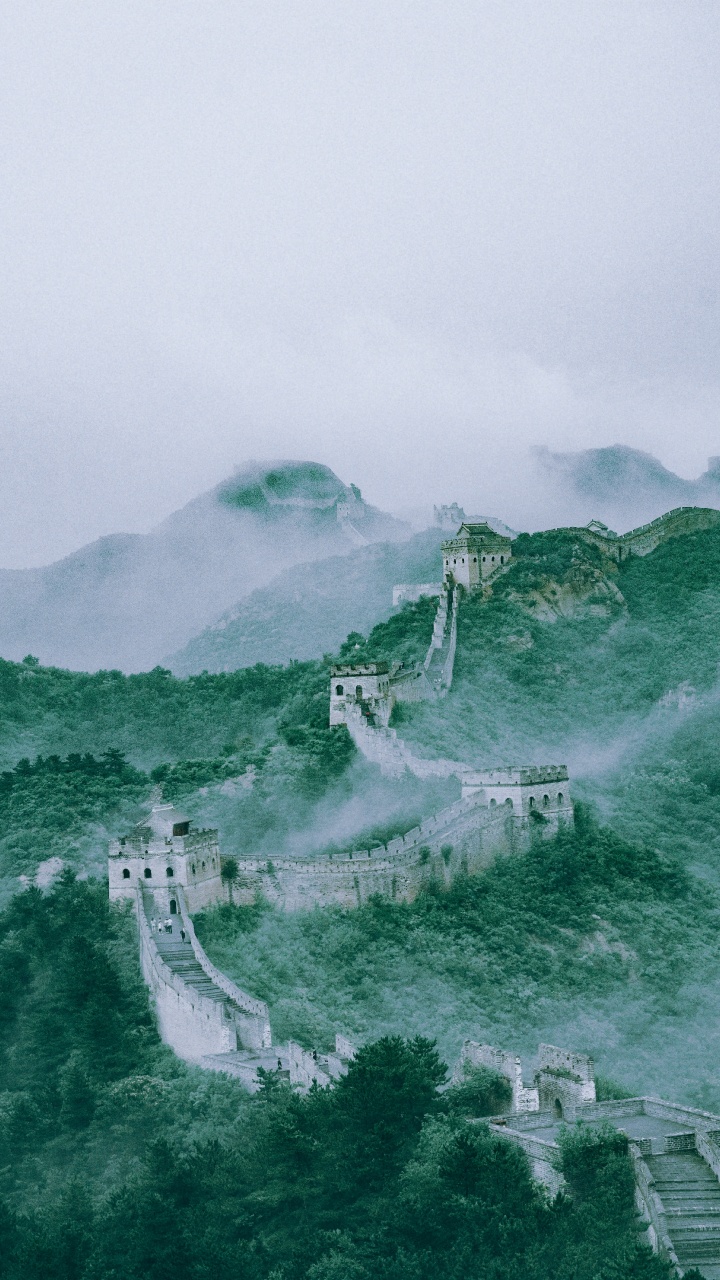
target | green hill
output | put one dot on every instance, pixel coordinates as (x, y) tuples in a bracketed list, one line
[(309, 610)]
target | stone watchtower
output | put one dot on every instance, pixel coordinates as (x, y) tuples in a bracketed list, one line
[(475, 553), (162, 852), (366, 686)]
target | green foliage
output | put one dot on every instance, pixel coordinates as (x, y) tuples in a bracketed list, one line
[(481, 1092), (46, 807)]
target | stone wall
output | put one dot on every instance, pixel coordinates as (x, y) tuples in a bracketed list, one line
[(463, 838)]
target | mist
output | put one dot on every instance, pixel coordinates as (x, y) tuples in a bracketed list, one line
[(408, 241)]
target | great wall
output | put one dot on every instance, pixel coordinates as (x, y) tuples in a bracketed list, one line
[(169, 872)]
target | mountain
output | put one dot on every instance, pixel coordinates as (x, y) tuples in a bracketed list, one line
[(126, 600), (308, 610), (623, 487)]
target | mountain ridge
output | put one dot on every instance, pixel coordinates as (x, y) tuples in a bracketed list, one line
[(126, 600)]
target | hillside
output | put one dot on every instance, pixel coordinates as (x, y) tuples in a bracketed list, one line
[(572, 653), (310, 609), (127, 600)]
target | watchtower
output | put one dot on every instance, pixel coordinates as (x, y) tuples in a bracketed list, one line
[(161, 852), (366, 685), (475, 553)]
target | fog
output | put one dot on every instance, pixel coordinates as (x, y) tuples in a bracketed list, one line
[(408, 240)]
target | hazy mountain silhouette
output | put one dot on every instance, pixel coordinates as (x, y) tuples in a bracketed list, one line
[(126, 600), (622, 486), (310, 609)]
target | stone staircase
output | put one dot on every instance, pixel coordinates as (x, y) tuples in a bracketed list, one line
[(690, 1195)]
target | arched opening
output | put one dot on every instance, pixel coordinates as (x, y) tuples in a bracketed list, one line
[(193, 868), (358, 691), (493, 559), (339, 690), (546, 801), (560, 797), (557, 1109), (126, 873), (203, 866), (493, 802), (173, 907), (502, 559), (532, 802), (148, 873), (169, 871), (509, 803)]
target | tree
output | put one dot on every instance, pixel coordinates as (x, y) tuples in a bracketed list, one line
[(230, 874)]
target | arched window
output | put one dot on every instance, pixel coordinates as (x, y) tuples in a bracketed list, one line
[(173, 907), (358, 691), (509, 803), (502, 559), (203, 866), (546, 801), (148, 873), (169, 871), (126, 874), (193, 868), (474, 559), (339, 690), (493, 802), (493, 559), (532, 802), (560, 797), (557, 1109)]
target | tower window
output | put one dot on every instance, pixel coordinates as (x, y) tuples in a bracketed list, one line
[(546, 801), (532, 802), (560, 797), (126, 874), (148, 873), (339, 690), (358, 691), (502, 559), (169, 871)]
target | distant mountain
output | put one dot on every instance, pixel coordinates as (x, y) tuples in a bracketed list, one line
[(310, 609), (127, 600), (622, 486)]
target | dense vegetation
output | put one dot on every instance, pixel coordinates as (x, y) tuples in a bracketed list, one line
[(117, 1161), (587, 939)]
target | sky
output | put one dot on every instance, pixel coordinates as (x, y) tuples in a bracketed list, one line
[(404, 238)]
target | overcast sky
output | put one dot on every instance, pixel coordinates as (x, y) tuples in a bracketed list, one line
[(406, 238)]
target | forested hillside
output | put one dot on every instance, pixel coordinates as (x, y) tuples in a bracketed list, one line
[(119, 1161)]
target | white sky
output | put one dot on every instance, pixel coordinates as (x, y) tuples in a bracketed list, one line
[(406, 238)]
